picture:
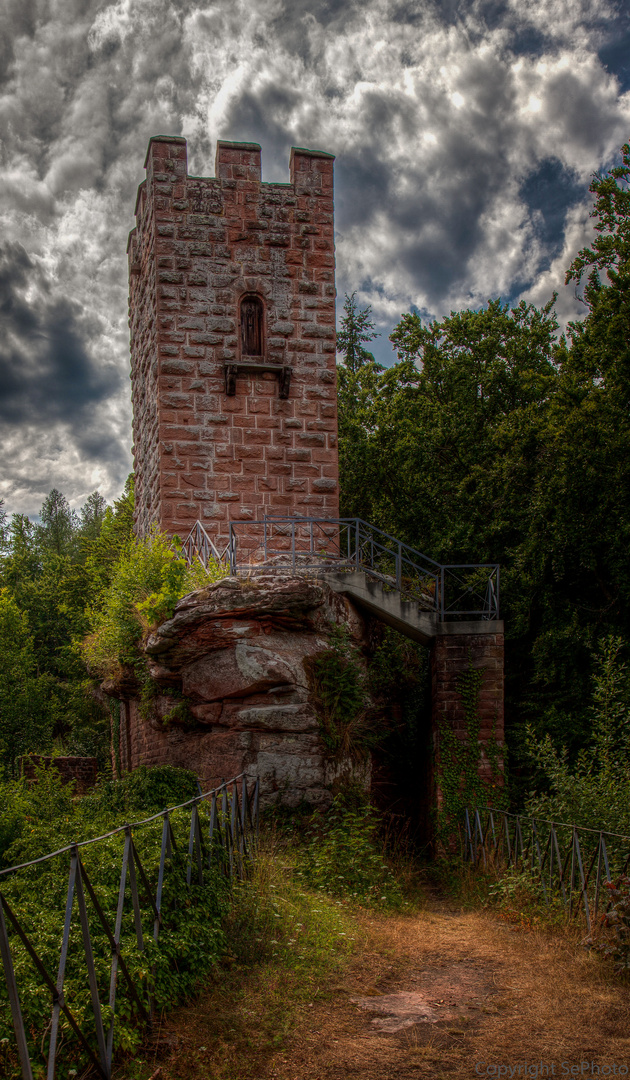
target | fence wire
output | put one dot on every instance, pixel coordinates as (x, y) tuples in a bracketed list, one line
[(573, 864), (221, 839)]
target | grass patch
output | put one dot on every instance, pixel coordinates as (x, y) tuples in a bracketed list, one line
[(291, 929), (286, 944)]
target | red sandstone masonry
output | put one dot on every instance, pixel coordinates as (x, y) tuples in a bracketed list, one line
[(200, 245), (451, 655), (82, 770)]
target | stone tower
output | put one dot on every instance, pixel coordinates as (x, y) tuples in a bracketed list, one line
[(232, 316)]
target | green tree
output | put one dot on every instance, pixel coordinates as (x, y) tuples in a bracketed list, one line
[(420, 440), (600, 344), (21, 535), (92, 515), (4, 528), (493, 440), (59, 525), (54, 592), (356, 327), (24, 717), (114, 539), (594, 790)]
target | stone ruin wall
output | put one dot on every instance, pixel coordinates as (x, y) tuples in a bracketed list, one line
[(83, 771), (199, 247), (231, 693)]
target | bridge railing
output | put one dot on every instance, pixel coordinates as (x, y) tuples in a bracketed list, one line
[(108, 925), (351, 544), (570, 864), (198, 545)]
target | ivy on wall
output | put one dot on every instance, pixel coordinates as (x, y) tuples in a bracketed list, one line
[(337, 682), (459, 759)]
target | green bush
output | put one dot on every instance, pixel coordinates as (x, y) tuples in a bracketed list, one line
[(343, 856), (594, 790), (43, 816), (146, 583), (616, 922), (191, 939)]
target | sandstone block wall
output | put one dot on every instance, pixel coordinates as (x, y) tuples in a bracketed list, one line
[(200, 247), (451, 656), (83, 770)]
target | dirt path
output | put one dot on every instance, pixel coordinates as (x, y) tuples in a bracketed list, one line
[(442, 993)]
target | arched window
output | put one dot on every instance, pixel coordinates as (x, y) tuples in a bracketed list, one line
[(252, 312)]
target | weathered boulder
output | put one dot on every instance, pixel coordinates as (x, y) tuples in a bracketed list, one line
[(230, 691)]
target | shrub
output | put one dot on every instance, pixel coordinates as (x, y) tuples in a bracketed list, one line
[(146, 584), (191, 939), (593, 791), (343, 855), (617, 922)]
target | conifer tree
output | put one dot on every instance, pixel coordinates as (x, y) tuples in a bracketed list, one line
[(59, 525), (357, 326), (92, 515)]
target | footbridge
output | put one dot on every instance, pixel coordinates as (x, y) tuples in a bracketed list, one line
[(401, 586)]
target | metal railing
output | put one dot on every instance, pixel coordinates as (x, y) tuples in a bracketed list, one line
[(569, 863), (198, 545), (349, 544), (220, 838)]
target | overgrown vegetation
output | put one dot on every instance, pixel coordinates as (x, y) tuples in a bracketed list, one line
[(338, 684), (616, 920), (44, 816), (51, 574), (77, 593), (594, 789), (292, 911), (146, 582), (286, 945), (344, 856)]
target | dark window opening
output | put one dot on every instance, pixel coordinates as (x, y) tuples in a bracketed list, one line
[(251, 326)]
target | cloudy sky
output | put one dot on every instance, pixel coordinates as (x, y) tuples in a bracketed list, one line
[(466, 134)]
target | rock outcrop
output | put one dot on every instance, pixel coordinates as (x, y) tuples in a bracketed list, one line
[(229, 691)]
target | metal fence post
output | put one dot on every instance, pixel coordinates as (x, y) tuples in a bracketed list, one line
[(232, 550), (14, 1000), (257, 808)]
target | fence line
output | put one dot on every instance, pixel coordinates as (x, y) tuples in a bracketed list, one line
[(231, 835), (573, 867)]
